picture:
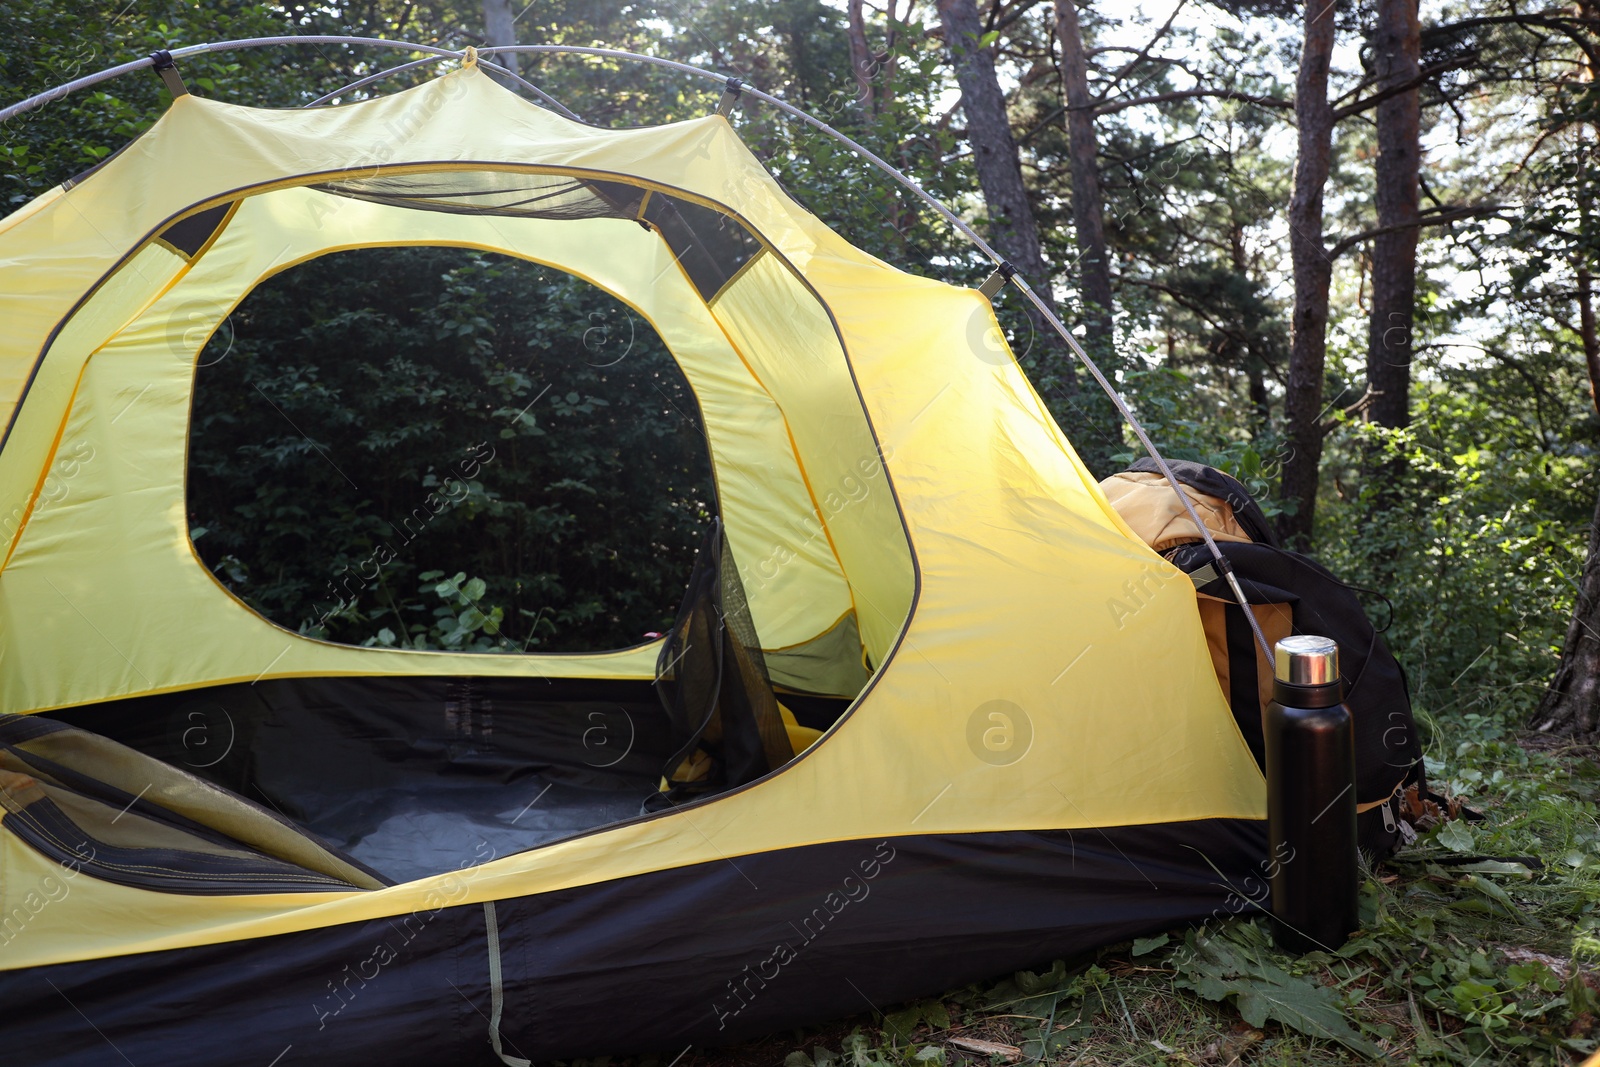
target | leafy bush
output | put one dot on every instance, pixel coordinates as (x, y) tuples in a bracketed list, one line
[(1475, 539), (377, 419)]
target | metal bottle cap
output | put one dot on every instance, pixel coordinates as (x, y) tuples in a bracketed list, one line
[(1306, 660)]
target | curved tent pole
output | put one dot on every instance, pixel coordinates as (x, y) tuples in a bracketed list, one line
[(554, 104), (735, 86), (88, 80), (1220, 561), (84, 82), (370, 78)]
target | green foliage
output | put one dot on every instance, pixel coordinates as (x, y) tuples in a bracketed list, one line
[(1236, 965), (829, 179), (1164, 400), (1475, 535), (461, 623), (49, 42), (902, 1024), (375, 420)]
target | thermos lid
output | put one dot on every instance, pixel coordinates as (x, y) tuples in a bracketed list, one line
[(1306, 660)]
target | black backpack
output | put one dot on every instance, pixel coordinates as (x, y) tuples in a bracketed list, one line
[(1302, 596)]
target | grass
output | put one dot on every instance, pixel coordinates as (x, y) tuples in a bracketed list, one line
[(1460, 960)]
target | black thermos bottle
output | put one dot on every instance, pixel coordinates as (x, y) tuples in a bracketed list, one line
[(1311, 798)]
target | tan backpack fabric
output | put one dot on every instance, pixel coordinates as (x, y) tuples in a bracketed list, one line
[(1148, 505)]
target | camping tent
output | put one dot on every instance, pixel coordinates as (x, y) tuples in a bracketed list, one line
[(1025, 751)]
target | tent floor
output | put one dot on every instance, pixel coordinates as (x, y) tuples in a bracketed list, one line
[(419, 776), (419, 832), (412, 776)]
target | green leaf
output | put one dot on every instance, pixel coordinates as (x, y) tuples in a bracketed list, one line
[(1516, 870), (1533, 973), (798, 1059), (1144, 945), (1031, 984), (1223, 970), (1455, 836), (1358, 945), (901, 1024), (1493, 892), (858, 1051)]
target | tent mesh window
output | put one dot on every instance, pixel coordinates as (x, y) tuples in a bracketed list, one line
[(431, 448), (710, 246)]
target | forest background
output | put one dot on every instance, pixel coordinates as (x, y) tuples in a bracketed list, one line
[(1343, 251)]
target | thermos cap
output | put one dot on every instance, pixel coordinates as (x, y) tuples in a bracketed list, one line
[(1306, 660)]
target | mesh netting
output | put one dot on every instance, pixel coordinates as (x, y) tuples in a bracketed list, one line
[(710, 246), (713, 683), (492, 192)]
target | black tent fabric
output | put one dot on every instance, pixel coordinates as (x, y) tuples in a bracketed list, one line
[(706, 955)]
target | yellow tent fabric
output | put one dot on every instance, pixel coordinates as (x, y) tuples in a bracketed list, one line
[(875, 460)]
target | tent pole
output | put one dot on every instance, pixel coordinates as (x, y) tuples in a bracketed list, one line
[(370, 78), (436, 53), (550, 102), (1219, 560), (40, 99), (72, 86), (434, 50)]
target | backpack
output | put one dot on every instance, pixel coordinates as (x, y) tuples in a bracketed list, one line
[(1289, 593)]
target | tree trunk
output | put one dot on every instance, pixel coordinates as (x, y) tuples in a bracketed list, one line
[(1308, 348), (1088, 204), (860, 55), (1586, 330), (1255, 364), (1088, 213), (500, 30), (1013, 229), (1396, 50), (1571, 705)]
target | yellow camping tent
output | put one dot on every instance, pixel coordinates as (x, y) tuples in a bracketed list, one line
[(1041, 758)]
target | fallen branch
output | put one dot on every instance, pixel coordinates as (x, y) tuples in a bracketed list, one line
[(1011, 1053)]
